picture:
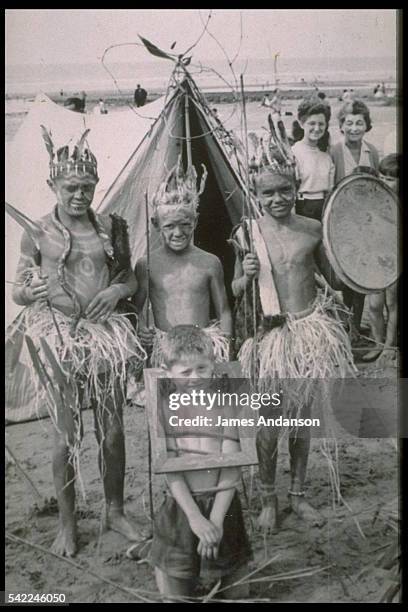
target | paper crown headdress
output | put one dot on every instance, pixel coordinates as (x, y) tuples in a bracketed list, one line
[(272, 153), (79, 160), (179, 188)]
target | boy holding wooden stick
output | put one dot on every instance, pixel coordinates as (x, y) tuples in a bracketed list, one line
[(74, 278), (298, 334), (183, 280)]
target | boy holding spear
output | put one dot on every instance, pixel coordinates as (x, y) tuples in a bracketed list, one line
[(183, 280), (74, 278)]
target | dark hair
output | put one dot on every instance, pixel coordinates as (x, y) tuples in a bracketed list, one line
[(183, 341), (312, 106), (321, 95), (355, 107), (390, 165), (365, 170)]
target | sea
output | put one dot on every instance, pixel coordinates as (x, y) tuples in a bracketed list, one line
[(26, 80)]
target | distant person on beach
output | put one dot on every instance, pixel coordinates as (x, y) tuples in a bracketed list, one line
[(348, 94), (74, 104), (140, 96), (275, 103), (100, 108), (314, 166), (83, 101), (384, 328), (353, 151)]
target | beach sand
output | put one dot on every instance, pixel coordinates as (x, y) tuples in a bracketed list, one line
[(335, 563)]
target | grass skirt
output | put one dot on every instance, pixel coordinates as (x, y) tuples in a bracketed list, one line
[(219, 340), (89, 361), (301, 358), (314, 346)]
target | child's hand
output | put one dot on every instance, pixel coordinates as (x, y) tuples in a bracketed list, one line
[(37, 289), (103, 304), (210, 552), (205, 530), (207, 552), (250, 265)]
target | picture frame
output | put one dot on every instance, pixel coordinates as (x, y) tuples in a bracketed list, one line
[(162, 463)]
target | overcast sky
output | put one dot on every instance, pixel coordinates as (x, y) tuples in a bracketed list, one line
[(81, 35)]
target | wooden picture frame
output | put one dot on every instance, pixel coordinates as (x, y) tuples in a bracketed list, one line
[(162, 463)]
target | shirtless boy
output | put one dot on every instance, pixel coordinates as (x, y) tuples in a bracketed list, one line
[(184, 280), (200, 522), (292, 246), (71, 278)]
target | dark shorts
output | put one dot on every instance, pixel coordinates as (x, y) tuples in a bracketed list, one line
[(310, 208), (174, 546)]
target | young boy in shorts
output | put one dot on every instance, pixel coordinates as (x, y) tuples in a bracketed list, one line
[(200, 524), (385, 331)]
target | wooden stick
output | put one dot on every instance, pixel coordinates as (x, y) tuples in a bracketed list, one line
[(188, 133), (251, 239), (18, 466), (149, 444), (147, 259), (80, 567)]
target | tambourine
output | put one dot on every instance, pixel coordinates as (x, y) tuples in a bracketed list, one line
[(360, 233)]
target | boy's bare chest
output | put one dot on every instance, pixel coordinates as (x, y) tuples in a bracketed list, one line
[(289, 247), (178, 278), (82, 246)]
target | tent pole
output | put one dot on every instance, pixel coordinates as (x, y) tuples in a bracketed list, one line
[(188, 133)]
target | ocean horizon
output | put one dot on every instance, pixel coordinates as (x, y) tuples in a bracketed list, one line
[(29, 79)]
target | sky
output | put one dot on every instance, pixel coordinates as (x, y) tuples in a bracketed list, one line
[(45, 36)]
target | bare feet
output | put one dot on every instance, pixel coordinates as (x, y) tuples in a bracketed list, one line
[(268, 519), (305, 511), (65, 544), (117, 521), (371, 355)]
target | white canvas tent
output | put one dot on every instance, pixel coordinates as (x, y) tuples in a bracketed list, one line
[(134, 154)]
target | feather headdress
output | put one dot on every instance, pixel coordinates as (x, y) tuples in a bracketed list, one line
[(272, 152), (180, 189), (79, 160)]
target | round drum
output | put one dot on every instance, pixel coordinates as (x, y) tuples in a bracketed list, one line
[(360, 233)]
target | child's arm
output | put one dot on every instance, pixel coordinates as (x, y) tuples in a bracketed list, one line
[(325, 268), (219, 298), (139, 299), (26, 291), (244, 273), (105, 302), (204, 529), (227, 482)]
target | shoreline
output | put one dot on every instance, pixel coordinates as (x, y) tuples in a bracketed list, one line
[(211, 94)]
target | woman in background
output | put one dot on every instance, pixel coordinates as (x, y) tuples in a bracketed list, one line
[(350, 153), (314, 166)]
